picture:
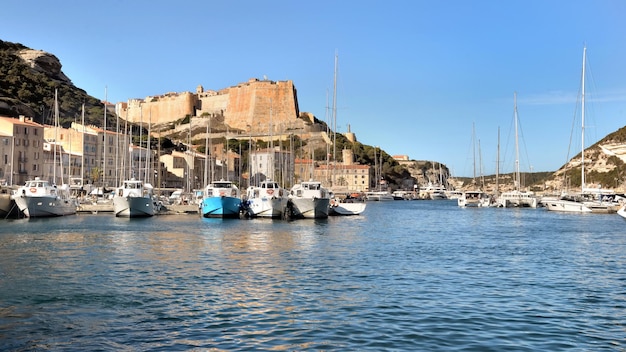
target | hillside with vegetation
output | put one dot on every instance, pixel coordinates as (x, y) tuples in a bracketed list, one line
[(28, 87)]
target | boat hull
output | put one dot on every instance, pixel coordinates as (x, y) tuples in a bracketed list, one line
[(517, 199), (220, 207), (133, 207), (622, 212), (44, 206), (8, 208), (266, 207), (474, 200), (309, 208), (567, 206), (346, 209)]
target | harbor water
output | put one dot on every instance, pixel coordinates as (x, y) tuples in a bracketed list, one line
[(404, 276)]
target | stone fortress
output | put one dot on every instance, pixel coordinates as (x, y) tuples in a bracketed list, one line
[(251, 107)]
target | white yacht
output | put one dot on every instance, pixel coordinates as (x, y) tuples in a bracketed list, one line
[(134, 199), (309, 200), (267, 200), (474, 199), (38, 198)]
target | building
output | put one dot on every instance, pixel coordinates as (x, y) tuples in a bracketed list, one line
[(346, 177), (24, 160), (273, 164)]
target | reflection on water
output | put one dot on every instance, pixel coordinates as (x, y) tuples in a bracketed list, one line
[(415, 275)]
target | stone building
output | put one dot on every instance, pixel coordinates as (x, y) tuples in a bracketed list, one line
[(24, 160), (346, 177), (250, 106), (273, 164)]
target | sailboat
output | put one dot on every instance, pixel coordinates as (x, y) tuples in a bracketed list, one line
[(40, 198), (474, 198), (517, 197), (134, 198), (378, 194), (588, 200)]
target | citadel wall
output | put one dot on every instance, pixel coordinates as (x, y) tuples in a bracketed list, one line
[(250, 106)]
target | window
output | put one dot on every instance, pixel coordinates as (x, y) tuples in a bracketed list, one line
[(17, 142)]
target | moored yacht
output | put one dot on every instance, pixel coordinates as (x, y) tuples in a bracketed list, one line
[(38, 198), (309, 200), (267, 200), (474, 199), (134, 199), (221, 199)]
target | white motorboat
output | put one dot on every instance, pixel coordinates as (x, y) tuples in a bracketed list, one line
[(346, 207), (309, 200), (38, 198), (134, 199), (267, 200), (378, 196), (474, 199)]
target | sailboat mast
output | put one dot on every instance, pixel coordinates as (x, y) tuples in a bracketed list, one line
[(149, 150), (335, 116), (117, 149), (206, 155), (56, 125), (82, 158), (104, 166), (474, 149), (517, 174), (140, 139), (582, 145), (498, 166)]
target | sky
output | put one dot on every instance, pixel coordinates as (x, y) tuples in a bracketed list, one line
[(434, 80)]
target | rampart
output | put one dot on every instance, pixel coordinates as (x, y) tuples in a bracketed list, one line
[(254, 105)]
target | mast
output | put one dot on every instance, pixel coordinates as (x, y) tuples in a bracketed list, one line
[(149, 150), (582, 145), (82, 158), (273, 159), (498, 166), (56, 125), (104, 167), (480, 167), (517, 184), (117, 149), (140, 139), (474, 150), (206, 155), (335, 117)]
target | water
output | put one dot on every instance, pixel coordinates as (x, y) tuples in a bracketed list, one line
[(405, 276)]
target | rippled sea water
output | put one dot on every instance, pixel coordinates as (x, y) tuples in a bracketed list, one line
[(405, 276)]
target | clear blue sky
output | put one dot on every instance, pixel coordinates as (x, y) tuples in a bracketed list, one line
[(414, 76)]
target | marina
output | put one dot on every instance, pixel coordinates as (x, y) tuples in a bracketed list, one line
[(418, 275)]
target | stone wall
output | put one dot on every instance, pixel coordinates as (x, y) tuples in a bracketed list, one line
[(255, 104)]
